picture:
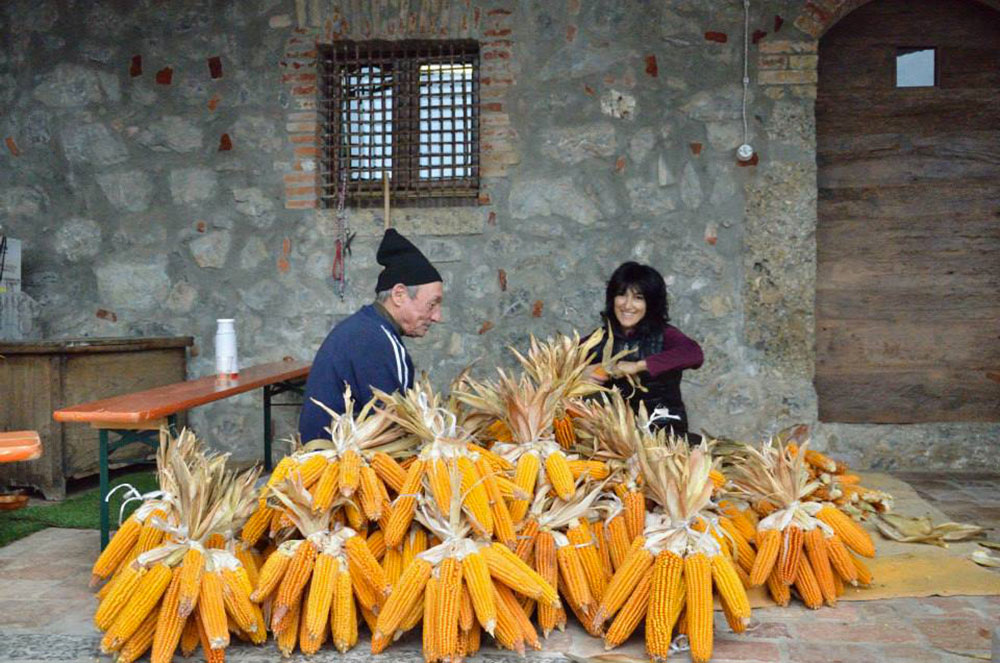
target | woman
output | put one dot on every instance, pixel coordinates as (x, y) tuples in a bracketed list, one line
[(635, 307)]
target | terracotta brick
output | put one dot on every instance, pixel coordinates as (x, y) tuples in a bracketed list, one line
[(225, 143), (809, 25), (301, 127), (294, 178), (717, 37), (962, 634), (301, 191), (306, 152), (298, 77), (875, 631), (803, 61), (303, 116), (786, 77), (301, 204), (497, 32), (767, 61), (215, 66), (12, 146), (651, 67), (304, 90), (135, 67), (165, 76), (304, 139), (787, 46)]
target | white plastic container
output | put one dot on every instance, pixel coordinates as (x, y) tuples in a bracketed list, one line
[(226, 359)]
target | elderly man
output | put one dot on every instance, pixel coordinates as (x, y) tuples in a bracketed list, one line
[(366, 349)]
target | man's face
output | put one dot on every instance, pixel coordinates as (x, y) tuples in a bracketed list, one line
[(417, 314)]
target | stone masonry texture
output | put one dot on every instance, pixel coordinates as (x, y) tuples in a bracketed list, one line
[(160, 169)]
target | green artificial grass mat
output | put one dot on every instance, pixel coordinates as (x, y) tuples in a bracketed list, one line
[(81, 511)]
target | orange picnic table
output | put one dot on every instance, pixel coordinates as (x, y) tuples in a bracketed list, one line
[(137, 417)]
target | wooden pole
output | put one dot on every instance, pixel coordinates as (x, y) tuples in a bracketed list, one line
[(385, 198)]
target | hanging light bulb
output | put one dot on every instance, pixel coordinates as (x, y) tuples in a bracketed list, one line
[(745, 151)]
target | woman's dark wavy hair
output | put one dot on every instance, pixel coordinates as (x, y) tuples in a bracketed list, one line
[(643, 279)]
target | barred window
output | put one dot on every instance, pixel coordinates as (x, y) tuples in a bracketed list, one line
[(405, 109)]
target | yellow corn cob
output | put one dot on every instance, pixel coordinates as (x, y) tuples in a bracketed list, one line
[(191, 569), (745, 555), (169, 623), (739, 519), (288, 637), (618, 540), (278, 474), (717, 478), (147, 594), (779, 591), (414, 617), (507, 603), (698, 579), (189, 636), (474, 497), (510, 569), (248, 560), (350, 472), (325, 490), (393, 565), (466, 613), (236, 590), (140, 641), (623, 583), (310, 642), (635, 513), (815, 543), (791, 552), (600, 532), (120, 546), (820, 461), (477, 579), (414, 544), (665, 595), (850, 532), (322, 585), (432, 608), (729, 588), (806, 585), (580, 536), (503, 524), (212, 609), (311, 469), (630, 616), (559, 474), (508, 629), (359, 554), (573, 577), (769, 542), (279, 521), (498, 431), (273, 572), (439, 480), (595, 469), (292, 584), (525, 477), (402, 510), (370, 618), (526, 539), (736, 623), (355, 518), (151, 535), (388, 470), (370, 493), (865, 576), (215, 541), (549, 617), (450, 592), (343, 617), (364, 591), (120, 594), (376, 544), (564, 433)]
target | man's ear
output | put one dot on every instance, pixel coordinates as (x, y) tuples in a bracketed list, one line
[(399, 294)]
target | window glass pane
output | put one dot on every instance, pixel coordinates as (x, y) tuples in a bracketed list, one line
[(445, 93), (366, 110), (915, 67)]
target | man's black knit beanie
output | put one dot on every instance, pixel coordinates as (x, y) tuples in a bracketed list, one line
[(403, 263)]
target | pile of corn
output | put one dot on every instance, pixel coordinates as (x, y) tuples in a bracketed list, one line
[(501, 508)]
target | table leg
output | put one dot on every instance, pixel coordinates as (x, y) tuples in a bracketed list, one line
[(267, 428), (105, 519)]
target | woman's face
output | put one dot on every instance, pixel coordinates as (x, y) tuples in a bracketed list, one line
[(630, 308)]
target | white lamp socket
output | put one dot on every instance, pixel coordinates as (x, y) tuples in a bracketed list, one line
[(744, 152)]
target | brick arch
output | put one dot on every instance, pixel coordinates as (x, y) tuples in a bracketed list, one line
[(818, 16)]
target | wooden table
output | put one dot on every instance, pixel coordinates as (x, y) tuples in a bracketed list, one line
[(137, 417)]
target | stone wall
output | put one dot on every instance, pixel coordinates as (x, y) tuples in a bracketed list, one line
[(160, 169)]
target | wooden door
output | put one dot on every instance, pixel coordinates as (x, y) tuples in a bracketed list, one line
[(908, 230)]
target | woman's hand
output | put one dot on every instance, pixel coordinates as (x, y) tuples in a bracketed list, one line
[(631, 367), (597, 374)]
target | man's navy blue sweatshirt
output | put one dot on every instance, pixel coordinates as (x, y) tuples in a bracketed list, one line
[(363, 351)]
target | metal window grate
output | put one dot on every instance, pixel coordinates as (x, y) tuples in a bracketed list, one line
[(407, 108)]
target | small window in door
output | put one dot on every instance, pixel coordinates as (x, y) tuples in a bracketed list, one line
[(915, 67)]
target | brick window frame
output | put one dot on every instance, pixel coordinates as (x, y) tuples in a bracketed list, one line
[(408, 97)]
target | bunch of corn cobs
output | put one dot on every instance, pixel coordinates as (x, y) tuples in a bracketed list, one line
[(501, 507)]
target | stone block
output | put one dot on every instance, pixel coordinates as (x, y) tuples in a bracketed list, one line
[(619, 105), (787, 77), (182, 297), (803, 61), (571, 145), (191, 185), (649, 198), (171, 133), (71, 85), (23, 201), (691, 192), (130, 190), (211, 249), (547, 197), (134, 283), (787, 46), (92, 144), (78, 239)]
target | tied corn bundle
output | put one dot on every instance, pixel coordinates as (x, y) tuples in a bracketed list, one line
[(797, 546), (671, 570), (192, 576)]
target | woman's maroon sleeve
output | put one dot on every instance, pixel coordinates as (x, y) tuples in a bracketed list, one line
[(679, 353)]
